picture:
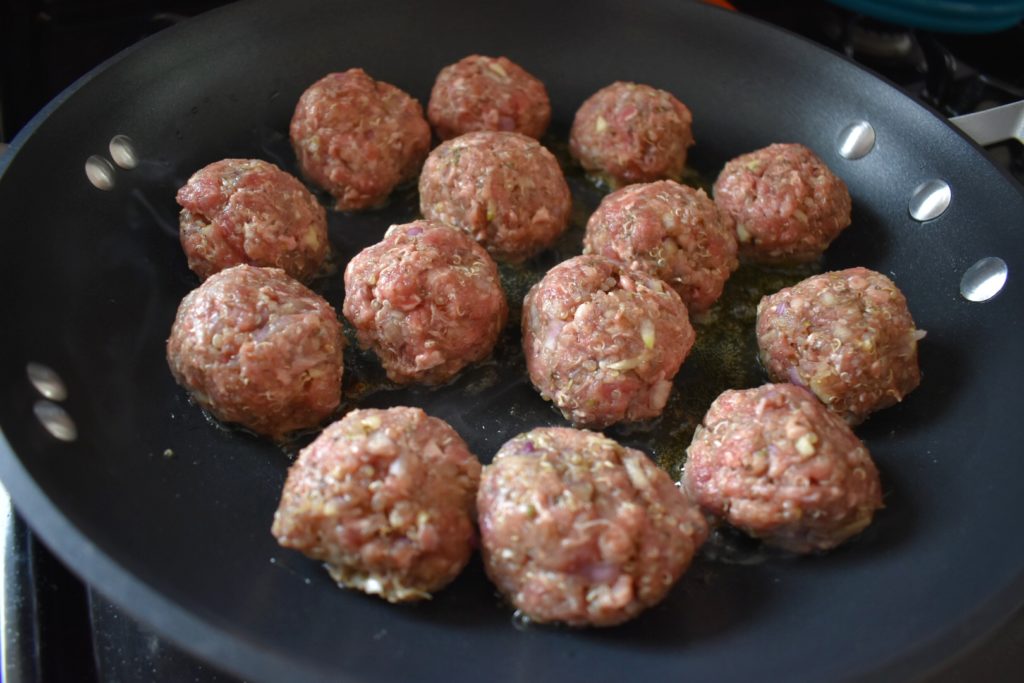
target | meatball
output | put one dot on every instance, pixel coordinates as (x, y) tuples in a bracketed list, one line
[(847, 336), (256, 348), (427, 300), (576, 528), (358, 138), (773, 462), (631, 133), (250, 211), (386, 498), (671, 231), (787, 204), (488, 93), (504, 189), (603, 342)]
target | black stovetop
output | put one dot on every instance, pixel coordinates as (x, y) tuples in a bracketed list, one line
[(57, 629)]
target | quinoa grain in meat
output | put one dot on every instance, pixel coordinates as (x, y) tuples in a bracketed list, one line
[(603, 342), (488, 93), (250, 211), (787, 204), (504, 189), (385, 498), (847, 336), (256, 348), (576, 528), (631, 133), (773, 462), (358, 138), (671, 231), (427, 300)]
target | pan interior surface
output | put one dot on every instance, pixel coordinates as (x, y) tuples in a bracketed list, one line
[(169, 514)]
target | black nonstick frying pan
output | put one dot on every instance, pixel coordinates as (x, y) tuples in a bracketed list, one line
[(168, 514)]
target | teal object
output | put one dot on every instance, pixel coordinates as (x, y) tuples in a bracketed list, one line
[(948, 16)]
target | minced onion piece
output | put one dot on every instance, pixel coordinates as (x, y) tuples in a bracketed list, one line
[(647, 333), (624, 364)]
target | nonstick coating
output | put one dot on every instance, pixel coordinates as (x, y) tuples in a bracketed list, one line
[(91, 280)]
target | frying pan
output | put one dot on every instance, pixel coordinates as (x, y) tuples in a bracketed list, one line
[(168, 514)]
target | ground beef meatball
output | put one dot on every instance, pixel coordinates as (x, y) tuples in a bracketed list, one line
[(787, 204), (427, 300), (256, 348), (386, 498), (488, 93), (250, 211), (358, 138), (671, 231), (847, 336), (576, 528), (603, 342), (631, 133), (504, 189), (773, 462)]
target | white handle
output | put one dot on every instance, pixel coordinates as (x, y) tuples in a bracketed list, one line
[(994, 125)]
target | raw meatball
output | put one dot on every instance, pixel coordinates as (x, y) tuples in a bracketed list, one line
[(488, 93), (578, 529), (504, 189), (255, 347), (358, 138), (603, 342), (250, 211), (787, 204), (631, 133), (847, 336), (775, 463), (427, 300), (386, 499), (671, 231)]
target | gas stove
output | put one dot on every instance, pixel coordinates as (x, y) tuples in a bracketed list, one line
[(57, 629)]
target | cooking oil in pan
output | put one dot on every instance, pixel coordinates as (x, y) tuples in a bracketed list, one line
[(724, 356)]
